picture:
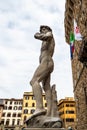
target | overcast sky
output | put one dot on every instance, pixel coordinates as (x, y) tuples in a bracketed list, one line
[(19, 51)]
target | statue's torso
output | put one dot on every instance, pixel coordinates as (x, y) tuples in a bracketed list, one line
[(47, 50)]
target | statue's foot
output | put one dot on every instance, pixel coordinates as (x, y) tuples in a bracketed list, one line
[(39, 111)]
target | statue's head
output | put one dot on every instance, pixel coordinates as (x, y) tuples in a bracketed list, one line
[(45, 27)]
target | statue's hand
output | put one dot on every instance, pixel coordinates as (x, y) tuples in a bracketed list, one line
[(37, 35)]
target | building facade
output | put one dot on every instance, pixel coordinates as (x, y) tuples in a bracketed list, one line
[(29, 105), (67, 112), (12, 112), (1, 109), (77, 10)]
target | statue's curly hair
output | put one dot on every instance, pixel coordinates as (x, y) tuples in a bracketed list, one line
[(45, 26)]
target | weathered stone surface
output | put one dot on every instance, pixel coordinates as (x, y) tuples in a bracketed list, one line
[(43, 72), (79, 70), (40, 120)]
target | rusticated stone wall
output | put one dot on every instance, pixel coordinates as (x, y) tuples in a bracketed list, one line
[(79, 70)]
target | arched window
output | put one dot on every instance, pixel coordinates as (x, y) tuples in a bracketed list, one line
[(7, 122), (45, 104), (25, 111), (18, 121), (25, 117), (33, 104), (13, 122), (2, 121), (32, 111), (26, 104), (15, 107), (20, 108)]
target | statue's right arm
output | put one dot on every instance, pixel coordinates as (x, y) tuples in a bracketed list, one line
[(43, 36)]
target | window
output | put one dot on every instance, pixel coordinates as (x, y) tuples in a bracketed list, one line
[(15, 107), (7, 122), (5, 107), (33, 104), (8, 114), (67, 105), (26, 104), (25, 111), (2, 121), (10, 108), (25, 117), (33, 98), (32, 111), (69, 119), (44, 97), (14, 115), (10, 102), (13, 122), (20, 108), (18, 121), (72, 112), (45, 104), (3, 115), (72, 105), (69, 112), (26, 97), (19, 114), (15, 102), (20, 102)]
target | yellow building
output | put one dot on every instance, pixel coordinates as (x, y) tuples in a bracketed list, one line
[(67, 111), (29, 105)]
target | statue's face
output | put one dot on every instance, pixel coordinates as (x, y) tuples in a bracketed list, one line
[(44, 30)]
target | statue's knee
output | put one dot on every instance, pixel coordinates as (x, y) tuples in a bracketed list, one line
[(31, 82)]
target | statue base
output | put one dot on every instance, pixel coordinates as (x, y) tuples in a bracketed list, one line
[(40, 120)]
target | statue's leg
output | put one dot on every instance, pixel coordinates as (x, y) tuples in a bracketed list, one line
[(47, 89), (37, 90)]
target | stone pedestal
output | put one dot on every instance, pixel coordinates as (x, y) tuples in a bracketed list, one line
[(39, 120)]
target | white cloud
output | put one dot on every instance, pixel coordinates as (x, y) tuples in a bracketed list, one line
[(19, 51)]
